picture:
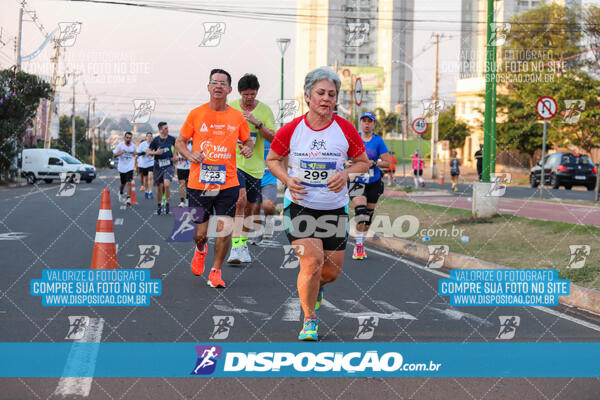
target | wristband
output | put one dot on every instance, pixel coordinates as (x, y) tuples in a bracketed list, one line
[(259, 126)]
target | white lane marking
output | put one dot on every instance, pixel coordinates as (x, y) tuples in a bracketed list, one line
[(123, 207), (248, 300), (368, 313), (225, 308), (119, 221), (292, 309), (508, 210), (81, 362), (13, 235), (544, 309), (458, 315)]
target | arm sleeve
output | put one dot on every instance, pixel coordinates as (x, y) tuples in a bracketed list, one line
[(282, 139), (382, 148), (355, 144), (244, 129), (270, 119), (117, 149), (187, 129)]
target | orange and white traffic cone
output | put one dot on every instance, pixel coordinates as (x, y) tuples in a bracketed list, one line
[(105, 249), (133, 199)]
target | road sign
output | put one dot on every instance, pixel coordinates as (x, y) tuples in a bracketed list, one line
[(358, 92), (419, 125), (546, 107)]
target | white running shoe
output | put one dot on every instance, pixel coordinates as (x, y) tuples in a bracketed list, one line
[(181, 204), (245, 254), (235, 256)]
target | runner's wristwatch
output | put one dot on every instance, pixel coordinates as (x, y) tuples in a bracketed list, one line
[(260, 125)]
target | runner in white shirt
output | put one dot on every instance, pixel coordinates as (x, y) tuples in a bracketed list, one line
[(125, 151), (183, 172), (317, 145), (145, 166)]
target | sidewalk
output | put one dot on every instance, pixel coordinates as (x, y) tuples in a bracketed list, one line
[(571, 213)]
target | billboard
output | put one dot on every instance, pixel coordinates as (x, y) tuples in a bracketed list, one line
[(372, 78)]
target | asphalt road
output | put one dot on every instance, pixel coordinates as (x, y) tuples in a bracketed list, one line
[(41, 230)]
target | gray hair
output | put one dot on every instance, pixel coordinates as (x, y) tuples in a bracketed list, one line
[(320, 74)]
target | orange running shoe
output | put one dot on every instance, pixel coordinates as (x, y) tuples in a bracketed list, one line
[(214, 279), (198, 261)]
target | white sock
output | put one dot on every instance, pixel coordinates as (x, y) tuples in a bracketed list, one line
[(360, 239)]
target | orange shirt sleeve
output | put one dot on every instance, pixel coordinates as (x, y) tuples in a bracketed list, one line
[(187, 129), (244, 129)]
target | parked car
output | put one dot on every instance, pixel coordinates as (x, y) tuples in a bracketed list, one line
[(51, 164), (114, 162), (565, 169)]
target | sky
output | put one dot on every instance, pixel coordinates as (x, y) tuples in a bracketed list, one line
[(133, 53)]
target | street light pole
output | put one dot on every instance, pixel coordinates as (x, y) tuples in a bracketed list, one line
[(283, 44)]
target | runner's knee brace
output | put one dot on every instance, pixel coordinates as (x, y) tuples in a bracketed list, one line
[(359, 211)]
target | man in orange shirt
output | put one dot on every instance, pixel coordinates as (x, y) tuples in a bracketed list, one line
[(213, 186)]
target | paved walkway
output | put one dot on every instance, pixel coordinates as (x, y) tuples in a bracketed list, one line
[(572, 213)]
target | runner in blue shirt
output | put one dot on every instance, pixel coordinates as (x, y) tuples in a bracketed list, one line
[(366, 189)]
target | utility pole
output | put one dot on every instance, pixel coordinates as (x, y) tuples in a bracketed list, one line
[(93, 131), (405, 130), (48, 136), (434, 130), (19, 34)]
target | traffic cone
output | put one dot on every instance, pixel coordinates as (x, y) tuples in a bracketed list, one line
[(133, 200), (105, 250)]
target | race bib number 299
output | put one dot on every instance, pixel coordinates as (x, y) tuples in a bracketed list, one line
[(316, 173)]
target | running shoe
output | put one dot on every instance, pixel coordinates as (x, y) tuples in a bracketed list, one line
[(319, 298), (142, 188), (245, 254), (181, 204), (235, 256), (214, 279), (146, 195), (167, 208), (150, 195), (198, 261), (359, 252), (121, 198), (158, 210), (128, 201), (309, 331)]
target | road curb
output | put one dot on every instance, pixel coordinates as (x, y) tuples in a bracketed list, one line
[(580, 297)]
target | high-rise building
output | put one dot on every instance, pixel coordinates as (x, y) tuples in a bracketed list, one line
[(373, 38), (473, 45)]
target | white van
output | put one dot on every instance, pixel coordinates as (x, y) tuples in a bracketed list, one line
[(48, 164)]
